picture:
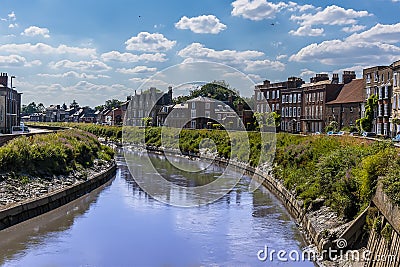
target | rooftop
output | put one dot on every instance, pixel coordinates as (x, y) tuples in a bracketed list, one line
[(350, 93)]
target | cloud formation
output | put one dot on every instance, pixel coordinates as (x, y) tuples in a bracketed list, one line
[(149, 42), (201, 24), (33, 31)]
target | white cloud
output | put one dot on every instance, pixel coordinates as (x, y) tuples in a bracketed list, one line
[(379, 33), (306, 30), (94, 65), (280, 57), (41, 48), (371, 47), (72, 74), (149, 42), (17, 61), (307, 73), (12, 16), (347, 52), (201, 24), (129, 57), (199, 51), (331, 15), (264, 64), (36, 31), (12, 25), (256, 9), (137, 69), (353, 28), (248, 60)]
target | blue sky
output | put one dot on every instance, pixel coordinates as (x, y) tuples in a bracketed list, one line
[(92, 51)]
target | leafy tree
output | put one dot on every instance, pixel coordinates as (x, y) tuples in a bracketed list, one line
[(365, 123), (33, 108)]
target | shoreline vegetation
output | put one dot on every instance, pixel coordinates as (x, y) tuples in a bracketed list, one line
[(334, 177), (36, 165), (340, 172)]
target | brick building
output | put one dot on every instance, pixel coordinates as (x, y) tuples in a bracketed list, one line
[(10, 105), (147, 104), (267, 96), (316, 94), (395, 128), (378, 81), (291, 105), (347, 107)]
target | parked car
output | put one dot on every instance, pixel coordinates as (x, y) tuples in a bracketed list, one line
[(368, 134), (19, 129), (396, 138)]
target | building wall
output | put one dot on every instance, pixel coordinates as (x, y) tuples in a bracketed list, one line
[(344, 114), (378, 81)]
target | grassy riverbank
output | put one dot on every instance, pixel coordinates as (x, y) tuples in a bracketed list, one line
[(337, 171), (52, 154)]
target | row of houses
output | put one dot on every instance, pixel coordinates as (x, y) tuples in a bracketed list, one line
[(153, 107), (310, 107), (10, 104), (75, 113)]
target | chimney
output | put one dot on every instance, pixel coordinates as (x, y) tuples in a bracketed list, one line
[(4, 79), (335, 78), (319, 77), (348, 76)]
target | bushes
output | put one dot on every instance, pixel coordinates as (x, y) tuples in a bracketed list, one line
[(343, 171), (52, 154)]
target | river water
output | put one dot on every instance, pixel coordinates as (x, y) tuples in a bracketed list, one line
[(120, 225)]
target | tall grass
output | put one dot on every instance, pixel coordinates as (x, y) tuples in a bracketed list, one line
[(49, 154)]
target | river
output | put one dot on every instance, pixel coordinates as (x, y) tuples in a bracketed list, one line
[(120, 225)]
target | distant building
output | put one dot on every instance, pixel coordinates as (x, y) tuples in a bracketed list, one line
[(395, 128), (378, 81), (55, 113), (147, 104), (347, 107), (267, 96), (291, 105), (316, 94), (10, 105)]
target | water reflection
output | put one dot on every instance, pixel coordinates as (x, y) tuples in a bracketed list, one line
[(124, 226)]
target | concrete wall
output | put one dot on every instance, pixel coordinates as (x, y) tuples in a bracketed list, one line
[(22, 211)]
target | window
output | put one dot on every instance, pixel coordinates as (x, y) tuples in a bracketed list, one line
[(294, 98), (376, 79), (379, 110), (386, 91), (193, 113), (368, 77), (386, 110), (395, 79), (193, 105), (273, 94), (207, 106), (277, 94), (321, 96), (394, 101), (368, 92), (290, 98), (273, 107), (267, 93), (294, 112), (193, 124), (290, 112), (351, 110), (298, 111), (298, 98), (207, 114), (277, 106)]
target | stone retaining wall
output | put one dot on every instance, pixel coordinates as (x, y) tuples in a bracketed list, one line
[(19, 212)]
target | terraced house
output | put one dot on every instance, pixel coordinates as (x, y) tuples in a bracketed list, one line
[(378, 81), (395, 125)]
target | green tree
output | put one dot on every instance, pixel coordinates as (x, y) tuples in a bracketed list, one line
[(365, 123)]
